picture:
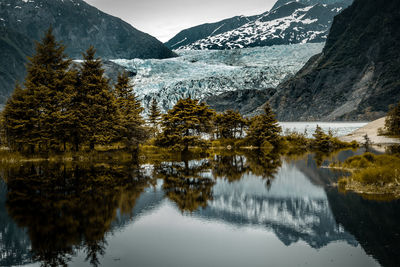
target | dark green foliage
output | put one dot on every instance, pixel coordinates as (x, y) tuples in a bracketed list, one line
[(154, 116), (62, 107), (374, 169), (131, 130), (184, 123), (155, 113), (230, 124), (264, 129), (39, 111), (16, 119), (323, 142), (94, 111), (392, 122)]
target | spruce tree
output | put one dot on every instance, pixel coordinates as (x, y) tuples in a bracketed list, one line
[(131, 130), (392, 121), (155, 115), (264, 129), (49, 84), (322, 141), (48, 87), (93, 108), (16, 121), (230, 124), (185, 122)]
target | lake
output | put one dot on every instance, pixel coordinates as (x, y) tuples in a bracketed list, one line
[(212, 209), (337, 128)]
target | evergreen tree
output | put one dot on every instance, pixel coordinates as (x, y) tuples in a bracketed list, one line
[(48, 87), (93, 108), (264, 129), (155, 115), (185, 122), (392, 122), (16, 121), (131, 129), (322, 141), (230, 124)]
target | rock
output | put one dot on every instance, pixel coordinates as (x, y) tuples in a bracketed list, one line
[(289, 22), (244, 101), (356, 75)]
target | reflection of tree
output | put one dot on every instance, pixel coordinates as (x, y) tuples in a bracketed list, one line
[(66, 207), (265, 164), (184, 183), (231, 167)]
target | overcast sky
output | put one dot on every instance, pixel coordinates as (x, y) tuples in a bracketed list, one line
[(165, 18)]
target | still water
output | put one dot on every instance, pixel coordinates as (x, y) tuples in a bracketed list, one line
[(337, 128), (222, 209)]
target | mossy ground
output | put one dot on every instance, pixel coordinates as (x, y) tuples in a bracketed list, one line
[(372, 175)]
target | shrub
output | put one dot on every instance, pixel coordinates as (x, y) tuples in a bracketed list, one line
[(392, 122), (374, 169)]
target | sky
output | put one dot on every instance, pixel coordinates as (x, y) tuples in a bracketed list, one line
[(165, 18)]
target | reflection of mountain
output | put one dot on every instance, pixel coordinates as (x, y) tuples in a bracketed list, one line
[(294, 205), (14, 241), (148, 201), (293, 208), (375, 225)]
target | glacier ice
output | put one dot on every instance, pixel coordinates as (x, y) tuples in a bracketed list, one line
[(200, 74)]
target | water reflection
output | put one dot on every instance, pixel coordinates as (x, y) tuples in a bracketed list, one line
[(375, 225), (59, 212), (186, 183), (69, 207)]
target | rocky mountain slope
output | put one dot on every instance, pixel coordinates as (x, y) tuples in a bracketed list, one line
[(280, 3), (356, 77), (193, 34), (289, 22), (77, 24), (245, 101)]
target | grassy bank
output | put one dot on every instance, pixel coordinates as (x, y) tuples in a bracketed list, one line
[(372, 175)]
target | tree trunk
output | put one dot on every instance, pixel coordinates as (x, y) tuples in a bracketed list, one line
[(76, 146), (91, 146)]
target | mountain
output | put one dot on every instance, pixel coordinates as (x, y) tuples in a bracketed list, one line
[(77, 24), (191, 35), (280, 3), (291, 22), (244, 101), (356, 77)]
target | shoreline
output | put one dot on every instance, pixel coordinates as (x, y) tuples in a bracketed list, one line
[(371, 129)]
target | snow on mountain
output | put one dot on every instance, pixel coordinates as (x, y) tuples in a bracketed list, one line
[(292, 207), (200, 74), (291, 22)]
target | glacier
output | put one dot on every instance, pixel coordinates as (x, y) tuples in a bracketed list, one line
[(204, 73)]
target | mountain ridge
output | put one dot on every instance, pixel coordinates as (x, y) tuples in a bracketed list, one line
[(356, 75), (288, 22)]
